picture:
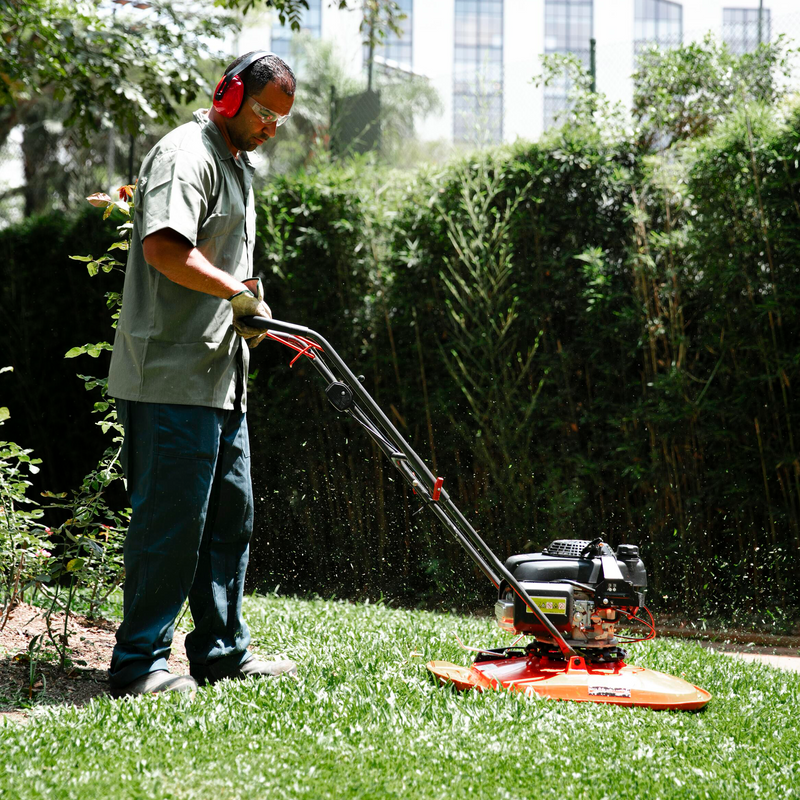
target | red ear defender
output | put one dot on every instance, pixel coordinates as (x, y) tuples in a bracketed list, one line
[(228, 95)]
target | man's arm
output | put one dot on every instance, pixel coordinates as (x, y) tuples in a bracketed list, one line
[(174, 257)]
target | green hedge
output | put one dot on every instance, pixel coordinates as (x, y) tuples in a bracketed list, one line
[(585, 341), (48, 304)]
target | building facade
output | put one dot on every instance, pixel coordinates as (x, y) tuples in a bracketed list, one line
[(482, 56)]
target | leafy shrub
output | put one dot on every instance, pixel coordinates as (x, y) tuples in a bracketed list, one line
[(583, 340), (82, 553)]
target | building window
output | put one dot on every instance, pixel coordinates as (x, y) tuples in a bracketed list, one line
[(657, 22), (741, 30), (399, 49), (478, 72), (567, 29), (310, 22)]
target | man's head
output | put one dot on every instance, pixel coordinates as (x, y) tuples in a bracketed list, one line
[(269, 86), (269, 69)]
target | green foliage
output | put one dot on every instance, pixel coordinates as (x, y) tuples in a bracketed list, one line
[(488, 352), (89, 83), (288, 11), (50, 305), (108, 68), (363, 720), (88, 537), (584, 338), (585, 341), (683, 92), (378, 17), (23, 537), (323, 73), (319, 119), (89, 564)]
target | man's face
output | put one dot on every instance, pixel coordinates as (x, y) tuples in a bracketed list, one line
[(246, 130)]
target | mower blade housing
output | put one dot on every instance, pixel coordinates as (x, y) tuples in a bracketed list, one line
[(618, 683)]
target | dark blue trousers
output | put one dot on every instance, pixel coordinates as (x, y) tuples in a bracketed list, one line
[(188, 472)]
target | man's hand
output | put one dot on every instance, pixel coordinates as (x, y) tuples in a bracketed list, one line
[(175, 258), (250, 302)]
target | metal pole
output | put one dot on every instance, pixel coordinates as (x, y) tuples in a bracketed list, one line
[(332, 122), (371, 57), (593, 62), (760, 21)]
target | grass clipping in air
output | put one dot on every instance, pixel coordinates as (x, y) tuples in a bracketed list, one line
[(365, 721)]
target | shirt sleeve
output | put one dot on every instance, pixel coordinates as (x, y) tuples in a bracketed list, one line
[(177, 194)]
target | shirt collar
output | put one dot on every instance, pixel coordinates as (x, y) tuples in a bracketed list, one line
[(217, 140), (212, 134)]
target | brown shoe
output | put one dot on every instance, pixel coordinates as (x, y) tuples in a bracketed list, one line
[(252, 668), (153, 682)]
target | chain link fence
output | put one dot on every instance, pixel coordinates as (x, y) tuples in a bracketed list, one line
[(614, 63), (483, 109)]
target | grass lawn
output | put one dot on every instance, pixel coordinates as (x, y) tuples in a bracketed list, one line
[(364, 721)]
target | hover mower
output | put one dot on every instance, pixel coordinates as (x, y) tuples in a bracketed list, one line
[(569, 599)]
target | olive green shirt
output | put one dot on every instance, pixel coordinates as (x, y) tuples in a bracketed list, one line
[(176, 345)]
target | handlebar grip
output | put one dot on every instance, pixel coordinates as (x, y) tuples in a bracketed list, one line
[(262, 323)]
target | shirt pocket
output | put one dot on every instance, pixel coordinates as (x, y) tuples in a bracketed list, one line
[(226, 213), (219, 224)]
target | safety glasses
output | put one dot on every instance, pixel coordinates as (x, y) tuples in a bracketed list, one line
[(265, 115)]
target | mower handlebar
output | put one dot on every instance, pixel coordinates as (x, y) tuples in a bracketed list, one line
[(263, 324), (443, 506)]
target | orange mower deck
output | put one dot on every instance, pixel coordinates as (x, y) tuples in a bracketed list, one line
[(619, 683)]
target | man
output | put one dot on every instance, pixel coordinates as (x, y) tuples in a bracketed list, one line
[(179, 371)]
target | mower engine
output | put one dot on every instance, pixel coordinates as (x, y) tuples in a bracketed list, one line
[(585, 589)]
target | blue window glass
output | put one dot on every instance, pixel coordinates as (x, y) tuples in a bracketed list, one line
[(310, 22), (567, 29), (478, 72)]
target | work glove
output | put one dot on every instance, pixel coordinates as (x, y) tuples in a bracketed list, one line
[(250, 302)]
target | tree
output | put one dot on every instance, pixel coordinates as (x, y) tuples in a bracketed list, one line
[(682, 92), (379, 17), (104, 67), (79, 76), (319, 116)]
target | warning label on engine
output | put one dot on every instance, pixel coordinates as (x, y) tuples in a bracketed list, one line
[(609, 691), (551, 605)]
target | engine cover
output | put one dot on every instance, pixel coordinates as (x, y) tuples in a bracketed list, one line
[(580, 585)]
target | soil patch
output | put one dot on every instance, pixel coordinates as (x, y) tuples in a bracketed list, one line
[(29, 664)]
